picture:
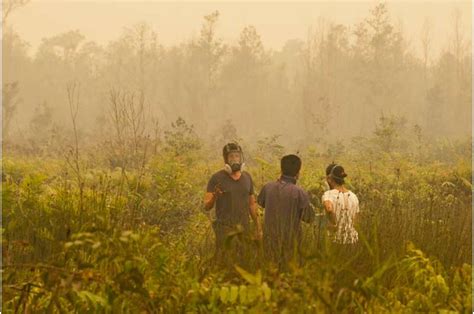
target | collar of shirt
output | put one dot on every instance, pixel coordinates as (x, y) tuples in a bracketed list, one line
[(288, 179)]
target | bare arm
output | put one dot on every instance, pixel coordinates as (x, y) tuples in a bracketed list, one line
[(330, 212), (211, 197), (209, 200)]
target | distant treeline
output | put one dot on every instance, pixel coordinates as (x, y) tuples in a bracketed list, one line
[(337, 83)]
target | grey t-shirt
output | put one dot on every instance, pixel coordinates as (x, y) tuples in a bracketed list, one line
[(232, 207), (286, 205)]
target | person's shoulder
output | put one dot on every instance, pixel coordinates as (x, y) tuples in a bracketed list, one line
[(299, 189), (328, 193), (246, 174), (266, 185), (219, 174), (302, 192), (264, 189), (271, 184), (353, 195)]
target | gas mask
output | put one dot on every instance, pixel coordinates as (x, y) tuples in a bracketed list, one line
[(233, 158), (234, 162)]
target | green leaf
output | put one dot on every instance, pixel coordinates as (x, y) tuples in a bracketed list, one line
[(243, 294), (234, 293), (251, 279), (92, 299), (126, 233), (267, 292), (224, 295), (215, 294), (128, 265), (252, 293)]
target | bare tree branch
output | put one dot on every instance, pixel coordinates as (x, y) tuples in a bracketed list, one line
[(9, 6)]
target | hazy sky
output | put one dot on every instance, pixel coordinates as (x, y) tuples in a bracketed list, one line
[(102, 20)]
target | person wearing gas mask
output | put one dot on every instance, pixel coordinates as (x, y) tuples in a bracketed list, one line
[(231, 191)]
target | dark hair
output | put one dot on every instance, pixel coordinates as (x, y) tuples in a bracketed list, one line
[(230, 147), (290, 165), (336, 172)]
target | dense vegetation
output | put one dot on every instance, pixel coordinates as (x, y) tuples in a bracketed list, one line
[(80, 235)]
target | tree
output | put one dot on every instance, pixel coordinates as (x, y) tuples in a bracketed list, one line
[(40, 126), (9, 6), (129, 122), (388, 132), (11, 100), (325, 60), (181, 138), (458, 45), (203, 62), (133, 60), (435, 108), (453, 76), (244, 82), (379, 56), (228, 132), (68, 42), (461, 86), (15, 67), (426, 38), (211, 47)]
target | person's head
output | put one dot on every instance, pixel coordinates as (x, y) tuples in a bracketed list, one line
[(233, 157), (335, 174), (290, 165)]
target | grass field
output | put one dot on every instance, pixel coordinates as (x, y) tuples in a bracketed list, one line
[(82, 236)]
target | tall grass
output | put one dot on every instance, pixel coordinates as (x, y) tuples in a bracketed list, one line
[(138, 241)]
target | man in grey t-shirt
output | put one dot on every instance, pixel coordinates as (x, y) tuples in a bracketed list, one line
[(232, 192), (286, 205)]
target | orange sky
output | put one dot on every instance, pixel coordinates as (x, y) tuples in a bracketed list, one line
[(102, 20)]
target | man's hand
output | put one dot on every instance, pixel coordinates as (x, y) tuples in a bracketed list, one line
[(330, 212), (210, 198), (218, 190)]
